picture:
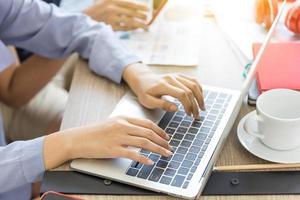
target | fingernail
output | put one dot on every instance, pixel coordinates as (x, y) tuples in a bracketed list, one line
[(168, 137), (171, 148), (168, 152), (150, 162), (173, 108)]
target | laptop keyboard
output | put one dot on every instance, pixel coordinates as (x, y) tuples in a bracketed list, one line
[(189, 140)]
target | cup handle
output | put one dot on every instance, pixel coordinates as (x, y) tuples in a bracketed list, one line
[(253, 118)]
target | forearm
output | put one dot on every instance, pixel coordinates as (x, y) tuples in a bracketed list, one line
[(23, 82)]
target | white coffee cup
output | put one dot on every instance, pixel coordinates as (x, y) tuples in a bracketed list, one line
[(277, 118)]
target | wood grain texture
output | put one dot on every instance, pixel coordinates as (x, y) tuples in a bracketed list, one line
[(93, 98)]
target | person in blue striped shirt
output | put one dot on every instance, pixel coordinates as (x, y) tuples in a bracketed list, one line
[(45, 30)]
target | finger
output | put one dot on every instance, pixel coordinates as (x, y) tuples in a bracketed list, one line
[(193, 80), (189, 93), (194, 87), (132, 5), (169, 89), (125, 153), (148, 145), (132, 22), (149, 125), (156, 102), (148, 134), (129, 23), (130, 13)]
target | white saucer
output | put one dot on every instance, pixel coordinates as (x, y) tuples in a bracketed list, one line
[(257, 148)]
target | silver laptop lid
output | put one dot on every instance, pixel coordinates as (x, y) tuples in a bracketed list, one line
[(251, 74)]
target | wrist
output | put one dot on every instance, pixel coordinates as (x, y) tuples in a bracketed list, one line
[(133, 72), (57, 150)]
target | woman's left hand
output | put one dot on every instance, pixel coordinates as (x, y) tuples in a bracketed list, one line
[(150, 87)]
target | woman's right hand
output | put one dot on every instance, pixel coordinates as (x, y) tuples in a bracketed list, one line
[(107, 140)]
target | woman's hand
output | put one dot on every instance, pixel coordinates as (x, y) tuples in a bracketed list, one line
[(150, 87), (122, 15), (107, 140)]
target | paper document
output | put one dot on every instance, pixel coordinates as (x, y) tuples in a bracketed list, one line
[(171, 40)]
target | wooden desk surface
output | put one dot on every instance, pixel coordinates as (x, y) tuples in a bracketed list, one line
[(92, 99)]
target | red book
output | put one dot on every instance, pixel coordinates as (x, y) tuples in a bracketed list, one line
[(279, 66)]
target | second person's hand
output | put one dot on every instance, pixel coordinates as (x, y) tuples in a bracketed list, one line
[(122, 15)]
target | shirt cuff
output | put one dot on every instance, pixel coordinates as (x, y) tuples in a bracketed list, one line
[(32, 160), (109, 56)]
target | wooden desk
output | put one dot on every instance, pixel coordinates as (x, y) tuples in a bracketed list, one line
[(92, 99)]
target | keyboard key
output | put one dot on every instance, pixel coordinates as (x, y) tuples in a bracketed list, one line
[(185, 185), (187, 164), (132, 172), (189, 137), (165, 180), (198, 142), (212, 95), (195, 149), (154, 157), (144, 151), (185, 143), (170, 131), (177, 119), (174, 143), (201, 136), (214, 112), (182, 130), (136, 165), (197, 161), (190, 176), (188, 118), (208, 123), (191, 156), (145, 171), (166, 158), (193, 130), (220, 101), (193, 169), (217, 106), (182, 150), (185, 123), (183, 171), (173, 124), (178, 136), (204, 147), (204, 129), (178, 157), (156, 174), (162, 164), (207, 141), (178, 181), (223, 95), (174, 165), (170, 172), (209, 102), (165, 120), (211, 117), (196, 124), (180, 113), (200, 155)]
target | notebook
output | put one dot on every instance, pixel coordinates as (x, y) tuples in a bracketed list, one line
[(279, 67)]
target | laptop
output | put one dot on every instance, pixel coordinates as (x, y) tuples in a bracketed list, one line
[(196, 143)]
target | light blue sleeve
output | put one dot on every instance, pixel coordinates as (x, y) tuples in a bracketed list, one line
[(21, 163), (49, 31)]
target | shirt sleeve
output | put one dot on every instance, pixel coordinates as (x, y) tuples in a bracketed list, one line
[(21, 163), (48, 31)]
